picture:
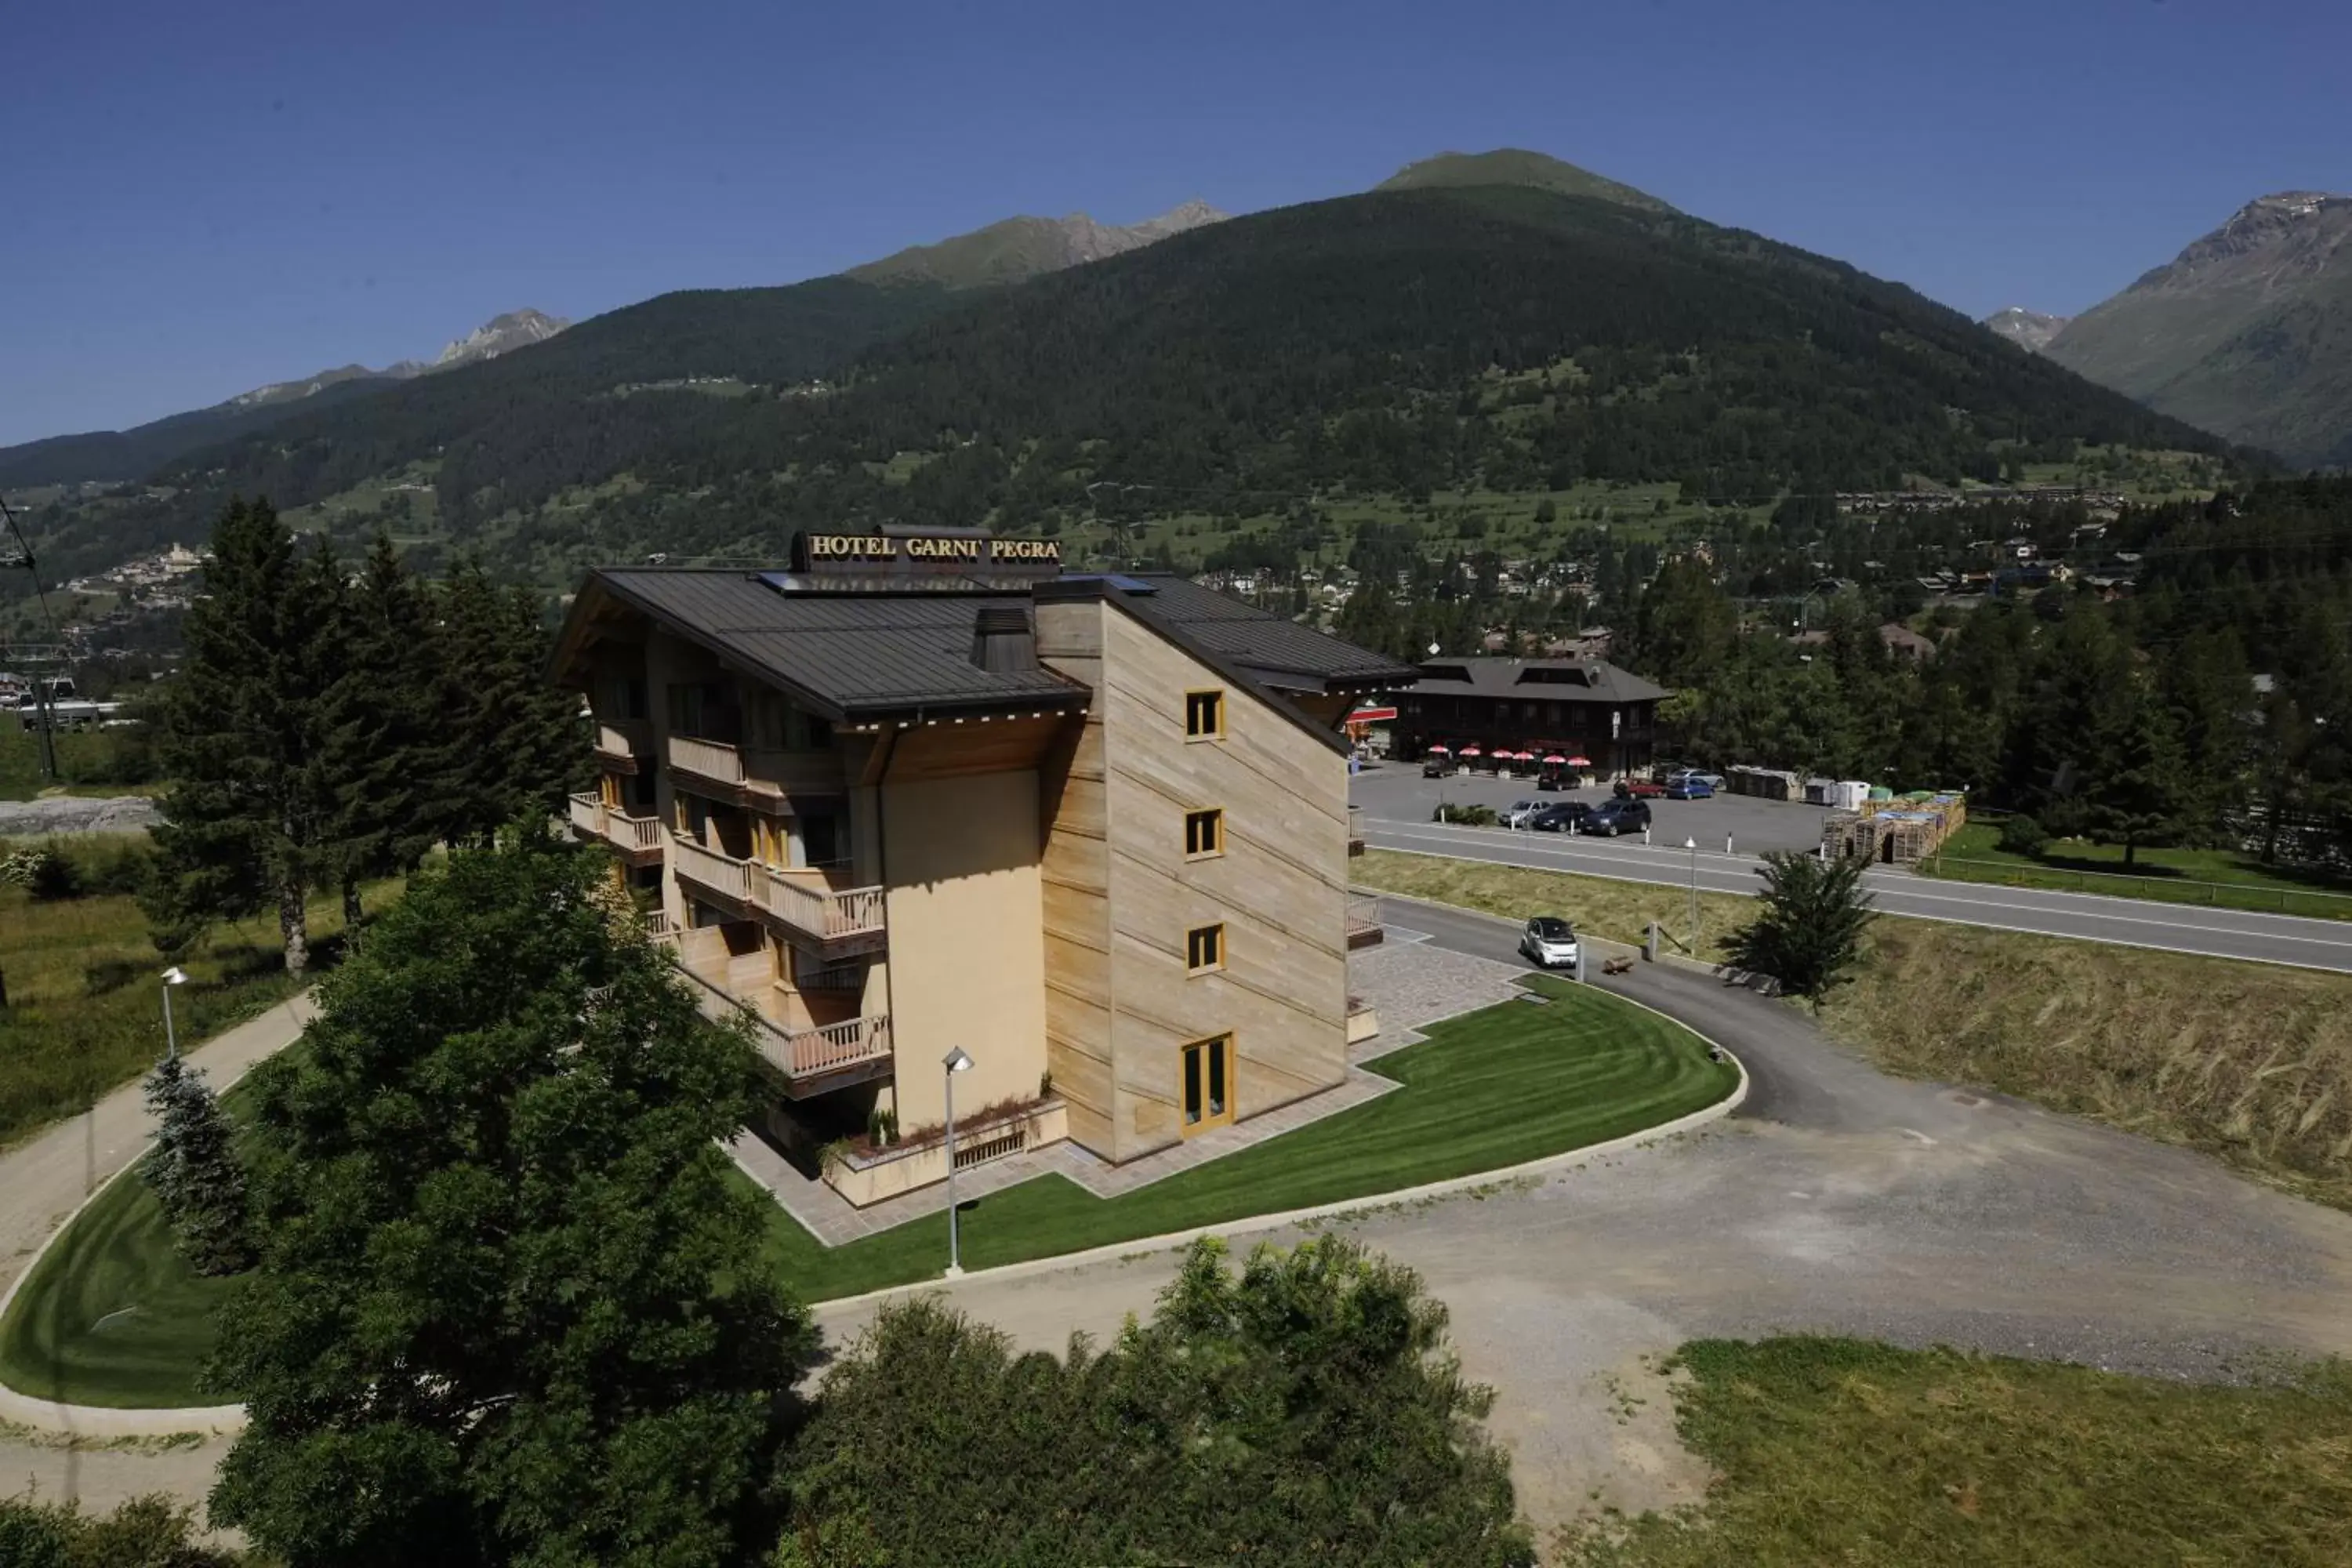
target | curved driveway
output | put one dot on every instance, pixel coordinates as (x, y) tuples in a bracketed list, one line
[(1838, 1199)]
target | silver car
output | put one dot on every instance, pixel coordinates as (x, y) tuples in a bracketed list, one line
[(1516, 814), (1548, 942)]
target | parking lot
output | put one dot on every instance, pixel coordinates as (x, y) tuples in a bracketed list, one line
[(1396, 792)]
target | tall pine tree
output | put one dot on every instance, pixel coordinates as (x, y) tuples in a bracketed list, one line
[(521, 744), (238, 734)]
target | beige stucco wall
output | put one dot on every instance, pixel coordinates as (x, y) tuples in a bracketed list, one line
[(967, 951)]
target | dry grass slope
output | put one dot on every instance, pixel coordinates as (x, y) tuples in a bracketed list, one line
[(1616, 911), (2250, 1062)]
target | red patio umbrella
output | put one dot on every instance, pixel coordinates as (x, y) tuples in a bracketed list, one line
[(1580, 761), (1554, 757)]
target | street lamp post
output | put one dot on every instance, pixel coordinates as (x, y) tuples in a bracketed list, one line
[(1692, 845), (172, 976), (955, 1061)]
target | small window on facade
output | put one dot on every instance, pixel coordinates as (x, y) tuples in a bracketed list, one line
[(1204, 832), (1204, 715), (1204, 948)]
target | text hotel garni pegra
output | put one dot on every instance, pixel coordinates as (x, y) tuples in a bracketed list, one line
[(922, 792)]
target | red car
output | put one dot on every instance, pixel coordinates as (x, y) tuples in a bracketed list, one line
[(1628, 789)]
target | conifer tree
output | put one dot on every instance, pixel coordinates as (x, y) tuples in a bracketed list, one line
[(388, 760), (521, 745), (236, 733), (193, 1172)]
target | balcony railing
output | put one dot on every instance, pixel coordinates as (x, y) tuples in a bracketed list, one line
[(760, 769), (624, 737), (1365, 926), (713, 760), (805, 899), (719, 873), (633, 832), (831, 977), (591, 816), (797, 1053), (1355, 830), (833, 1046)]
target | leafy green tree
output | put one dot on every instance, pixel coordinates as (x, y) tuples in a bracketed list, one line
[(193, 1172), (236, 733), (145, 1532), (1304, 1411), (1809, 924), (510, 1307)]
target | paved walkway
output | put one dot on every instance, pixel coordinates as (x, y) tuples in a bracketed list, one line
[(1408, 982)]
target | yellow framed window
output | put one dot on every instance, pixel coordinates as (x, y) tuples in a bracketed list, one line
[(1204, 715), (1208, 1083), (1204, 834), (1204, 948)]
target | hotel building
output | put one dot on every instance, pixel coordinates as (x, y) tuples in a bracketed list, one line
[(920, 793)]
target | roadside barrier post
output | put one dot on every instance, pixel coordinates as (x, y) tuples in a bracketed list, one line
[(1650, 947), (1726, 844)]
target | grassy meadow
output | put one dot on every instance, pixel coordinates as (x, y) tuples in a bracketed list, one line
[(1612, 911), (85, 1010), (1829, 1450), (2225, 878)]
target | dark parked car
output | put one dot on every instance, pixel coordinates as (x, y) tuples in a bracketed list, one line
[(1689, 787), (1616, 817), (1560, 818)]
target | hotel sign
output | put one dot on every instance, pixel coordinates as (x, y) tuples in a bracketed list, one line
[(900, 552)]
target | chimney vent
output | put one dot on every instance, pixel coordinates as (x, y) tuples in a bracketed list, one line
[(1001, 642)]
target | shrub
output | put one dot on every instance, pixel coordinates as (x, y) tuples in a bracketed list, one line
[(53, 878), (1466, 815), (2024, 836), (107, 865)]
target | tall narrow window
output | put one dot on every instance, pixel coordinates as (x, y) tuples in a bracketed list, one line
[(1204, 948), (1204, 715), (1204, 834), (1208, 1083)]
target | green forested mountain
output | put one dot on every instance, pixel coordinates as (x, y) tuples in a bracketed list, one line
[(1019, 248), (1504, 337), (1517, 166)]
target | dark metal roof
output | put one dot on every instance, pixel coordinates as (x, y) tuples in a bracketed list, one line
[(1540, 679), (1278, 651), (853, 654)]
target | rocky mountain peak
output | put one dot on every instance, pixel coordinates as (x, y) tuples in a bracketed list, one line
[(501, 335), (2029, 329)]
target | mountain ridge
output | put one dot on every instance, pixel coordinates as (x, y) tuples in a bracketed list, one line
[(2029, 329), (2246, 333), (1015, 249), (1518, 166)]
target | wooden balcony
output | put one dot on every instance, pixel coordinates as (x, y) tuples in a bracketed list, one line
[(809, 902), (815, 905), (637, 838), (1365, 928), (753, 776), (1355, 830), (621, 741), (810, 1061)]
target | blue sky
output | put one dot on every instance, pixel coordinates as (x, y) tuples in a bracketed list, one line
[(197, 200)]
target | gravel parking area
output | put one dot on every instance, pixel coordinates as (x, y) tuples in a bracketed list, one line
[(1398, 793)]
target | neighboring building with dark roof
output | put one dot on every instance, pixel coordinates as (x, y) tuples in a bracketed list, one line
[(927, 793), (1577, 707)]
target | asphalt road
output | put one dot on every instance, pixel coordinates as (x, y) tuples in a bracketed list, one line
[(2133, 922)]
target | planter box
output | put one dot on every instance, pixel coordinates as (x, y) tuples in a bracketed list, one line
[(1363, 1022), (893, 1173)]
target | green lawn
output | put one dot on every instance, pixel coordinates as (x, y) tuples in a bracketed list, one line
[(112, 1315), (2224, 877), (1491, 1089), (94, 761), (1495, 1089), (1829, 1451)]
